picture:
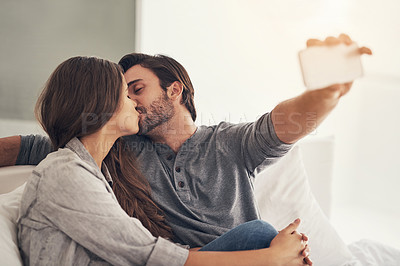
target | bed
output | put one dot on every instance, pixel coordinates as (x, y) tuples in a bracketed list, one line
[(298, 185)]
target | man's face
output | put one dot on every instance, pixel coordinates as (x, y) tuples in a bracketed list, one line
[(153, 104)]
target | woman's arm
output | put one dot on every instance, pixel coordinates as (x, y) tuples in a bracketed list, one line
[(248, 257)]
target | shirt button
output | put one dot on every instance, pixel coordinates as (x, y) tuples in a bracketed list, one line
[(178, 169), (181, 184), (169, 158)]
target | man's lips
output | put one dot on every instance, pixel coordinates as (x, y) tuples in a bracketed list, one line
[(141, 110)]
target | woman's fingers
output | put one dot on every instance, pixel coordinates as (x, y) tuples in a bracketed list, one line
[(304, 237), (307, 261), (306, 251), (292, 227)]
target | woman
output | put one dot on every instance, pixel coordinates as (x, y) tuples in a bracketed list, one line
[(69, 213)]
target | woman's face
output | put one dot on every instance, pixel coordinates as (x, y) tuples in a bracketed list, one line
[(125, 119)]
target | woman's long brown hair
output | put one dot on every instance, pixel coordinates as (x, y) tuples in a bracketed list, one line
[(78, 99), (120, 162)]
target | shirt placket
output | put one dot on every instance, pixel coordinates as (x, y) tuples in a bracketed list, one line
[(180, 178)]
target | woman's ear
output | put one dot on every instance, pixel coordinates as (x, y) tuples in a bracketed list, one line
[(174, 91)]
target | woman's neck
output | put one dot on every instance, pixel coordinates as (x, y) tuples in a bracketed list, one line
[(98, 145)]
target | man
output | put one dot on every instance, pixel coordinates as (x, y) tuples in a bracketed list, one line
[(200, 176)]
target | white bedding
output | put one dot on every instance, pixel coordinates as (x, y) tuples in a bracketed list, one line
[(283, 193), (370, 253)]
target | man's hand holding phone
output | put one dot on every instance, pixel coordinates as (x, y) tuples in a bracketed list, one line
[(334, 62)]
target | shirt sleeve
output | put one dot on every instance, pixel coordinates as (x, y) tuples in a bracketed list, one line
[(34, 148), (260, 146), (77, 202)]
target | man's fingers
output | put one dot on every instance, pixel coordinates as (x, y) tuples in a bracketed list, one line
[(292, 227), (304, 237), (332, 40), (365, 50), (345, 39), (314, 42)]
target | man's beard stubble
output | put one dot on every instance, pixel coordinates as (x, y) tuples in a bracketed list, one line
[(159, 112)]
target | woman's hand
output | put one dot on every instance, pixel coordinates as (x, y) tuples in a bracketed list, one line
[(291, 247), (288, 248)]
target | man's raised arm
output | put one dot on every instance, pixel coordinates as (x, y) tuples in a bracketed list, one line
[(24, 150), (9, 149), (295, 118)]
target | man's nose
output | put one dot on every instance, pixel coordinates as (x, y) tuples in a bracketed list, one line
[(134, 103)]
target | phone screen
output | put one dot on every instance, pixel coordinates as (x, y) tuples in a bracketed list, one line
[(323, 66)]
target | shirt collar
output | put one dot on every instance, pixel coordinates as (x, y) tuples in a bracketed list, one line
[(77, 146)]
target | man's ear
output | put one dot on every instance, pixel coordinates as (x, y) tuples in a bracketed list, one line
[(174, 91)]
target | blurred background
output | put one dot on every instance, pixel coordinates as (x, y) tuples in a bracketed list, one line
[(242, 57)]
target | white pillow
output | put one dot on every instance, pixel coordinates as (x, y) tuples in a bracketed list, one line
[(283, 194), (9, 208)]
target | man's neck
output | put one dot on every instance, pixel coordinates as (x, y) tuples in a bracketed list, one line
[(174, 132)]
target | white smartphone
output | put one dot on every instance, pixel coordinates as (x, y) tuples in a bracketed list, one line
[(323, 66)]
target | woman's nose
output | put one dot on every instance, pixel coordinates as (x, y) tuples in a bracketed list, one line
[(131, 95), (134, 103)]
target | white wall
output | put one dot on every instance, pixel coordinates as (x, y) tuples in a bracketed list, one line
[(242, 58)]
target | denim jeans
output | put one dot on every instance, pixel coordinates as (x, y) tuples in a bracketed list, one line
[(252, 235)]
